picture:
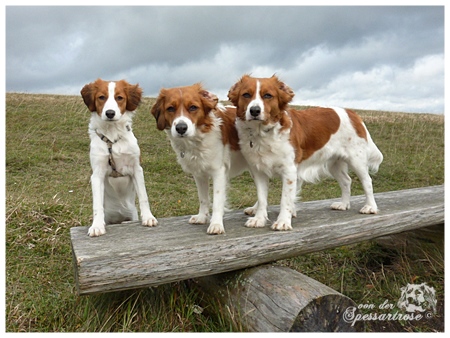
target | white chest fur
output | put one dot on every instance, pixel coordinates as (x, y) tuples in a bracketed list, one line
[(201, 152), (266, 147)]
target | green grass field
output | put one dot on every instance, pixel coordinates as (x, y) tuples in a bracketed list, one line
[(48, 192)]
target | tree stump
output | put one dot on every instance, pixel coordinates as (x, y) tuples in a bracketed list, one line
[(279, 299)]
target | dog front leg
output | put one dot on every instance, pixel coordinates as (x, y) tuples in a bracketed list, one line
[(219, 198), (98, 195), (262, 190), (139, 184), (287, 204), (202, 182)]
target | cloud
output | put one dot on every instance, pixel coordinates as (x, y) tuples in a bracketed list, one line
[(341, 54), (414, 89)]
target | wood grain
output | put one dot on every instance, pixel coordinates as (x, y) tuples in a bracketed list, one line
[(278, 299), (132, 256)]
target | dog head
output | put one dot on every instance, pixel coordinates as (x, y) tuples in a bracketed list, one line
[(184, 110), (111, 99), (260, 99), (417, 297)]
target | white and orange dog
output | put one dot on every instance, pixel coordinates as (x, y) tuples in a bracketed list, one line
[(115, 156), (299, 145), (204, 137)]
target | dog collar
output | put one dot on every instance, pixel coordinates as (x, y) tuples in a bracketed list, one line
[(109, 143)]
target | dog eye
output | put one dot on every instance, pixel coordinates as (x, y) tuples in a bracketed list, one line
[(102, 97), (171, 109), (267, 96), (193, 108), (246, 95), (119, 98)]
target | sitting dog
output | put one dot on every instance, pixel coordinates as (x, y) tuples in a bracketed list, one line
[(203, 135), (115, 156), (299, 145)]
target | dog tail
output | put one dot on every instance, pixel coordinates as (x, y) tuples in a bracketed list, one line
[(374, 156)]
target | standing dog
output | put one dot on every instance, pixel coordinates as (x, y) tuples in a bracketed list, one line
[(115, 156), (204, 137), (299, 145)]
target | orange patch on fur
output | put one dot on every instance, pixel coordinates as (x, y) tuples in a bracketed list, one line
[(275, 94), (311, 130), (357, 123), (190, 101), (228, 127), (195, 103), (127, 96)]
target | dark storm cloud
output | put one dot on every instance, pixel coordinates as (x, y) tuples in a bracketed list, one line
[(321, 52)]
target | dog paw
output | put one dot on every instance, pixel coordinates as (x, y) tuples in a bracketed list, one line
[(340, 206), (255, 222), (149, 222), (215, 229), (199, 219), (368, 209), (251, 211), (96, 230), (282, 225)]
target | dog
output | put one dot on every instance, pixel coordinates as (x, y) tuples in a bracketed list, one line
[(417, 298), (117, 175), (299, 145), (203, 135)]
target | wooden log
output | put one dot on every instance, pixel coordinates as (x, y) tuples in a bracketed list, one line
[(132, 256), (278, 299), (413, 242)]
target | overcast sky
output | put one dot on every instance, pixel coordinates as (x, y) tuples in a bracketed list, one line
[(382, 58)]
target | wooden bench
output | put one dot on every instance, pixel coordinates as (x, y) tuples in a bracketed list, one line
[(132, 256)]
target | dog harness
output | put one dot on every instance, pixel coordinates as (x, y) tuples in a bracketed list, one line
[(109, 143)]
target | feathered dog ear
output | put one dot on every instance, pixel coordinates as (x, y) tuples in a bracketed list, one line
[(157, 110), (286, 93), (233, 93), (88, 95), (209, 100), (134, 93)]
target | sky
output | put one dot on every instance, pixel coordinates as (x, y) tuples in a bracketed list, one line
[(388, 58)]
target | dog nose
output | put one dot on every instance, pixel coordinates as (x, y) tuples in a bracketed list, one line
[(255, 111), (181, 128), (110, 113)]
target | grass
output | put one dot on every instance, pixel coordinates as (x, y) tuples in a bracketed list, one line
[(48, 192)]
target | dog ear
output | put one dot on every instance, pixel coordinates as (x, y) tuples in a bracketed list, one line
[(285, 92), (88, 95), (233, 93), (157, 111), (209, 100), (134, 93)]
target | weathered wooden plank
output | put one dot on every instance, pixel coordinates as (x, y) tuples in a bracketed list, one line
[(131, 256), (278, 299), (411, 242)]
